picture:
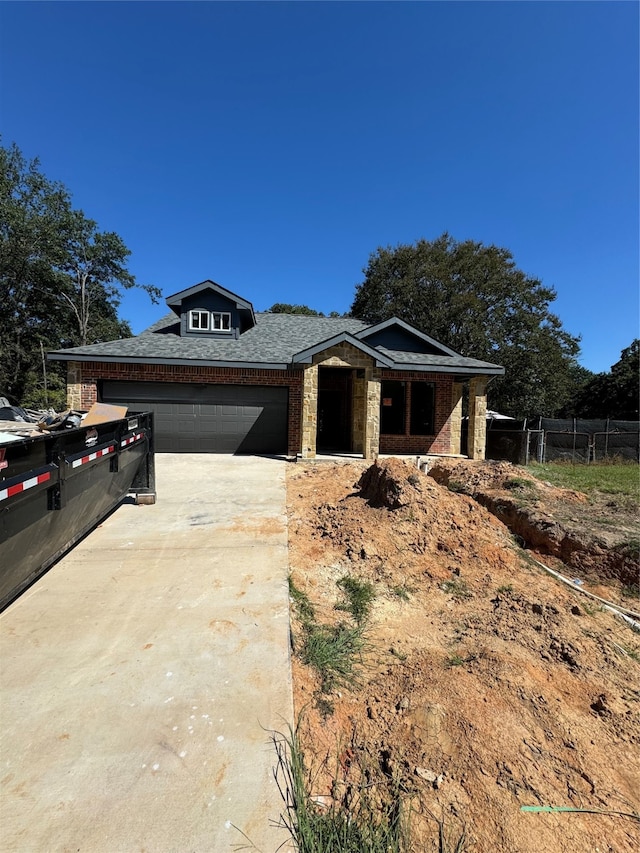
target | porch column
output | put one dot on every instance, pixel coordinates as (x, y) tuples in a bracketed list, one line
[(74, 385), (309, 411), (477, 440), (372, 421), (456, 418)]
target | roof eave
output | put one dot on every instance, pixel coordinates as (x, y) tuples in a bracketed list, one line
[(489, 370), (179, 362)]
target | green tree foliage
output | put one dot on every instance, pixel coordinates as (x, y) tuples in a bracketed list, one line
[(614, 394), (60, 280), (286, 308), (474, 299)]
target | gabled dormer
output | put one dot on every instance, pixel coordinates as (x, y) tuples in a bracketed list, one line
[(210, 310)]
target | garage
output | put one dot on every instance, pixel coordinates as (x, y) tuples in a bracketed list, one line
[(208, 418)]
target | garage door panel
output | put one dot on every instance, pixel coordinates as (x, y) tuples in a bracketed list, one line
[(208, 418)]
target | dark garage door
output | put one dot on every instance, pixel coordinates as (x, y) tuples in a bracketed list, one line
[(208, 418)]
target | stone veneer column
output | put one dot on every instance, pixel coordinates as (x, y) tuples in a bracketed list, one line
[(74, 385), (372, 425), (358, 412), (309, 411), (456, 418), (477, 441)]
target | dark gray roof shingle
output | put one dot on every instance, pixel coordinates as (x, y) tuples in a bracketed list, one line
[(273, 341)]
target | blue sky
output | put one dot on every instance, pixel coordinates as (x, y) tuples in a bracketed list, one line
[(273, 146)]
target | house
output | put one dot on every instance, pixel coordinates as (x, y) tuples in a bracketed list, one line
[(222, 379)]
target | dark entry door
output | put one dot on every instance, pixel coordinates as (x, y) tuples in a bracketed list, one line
[(334, 409)]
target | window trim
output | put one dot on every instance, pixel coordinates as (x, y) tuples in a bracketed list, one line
[(221, 315), (202, 313)]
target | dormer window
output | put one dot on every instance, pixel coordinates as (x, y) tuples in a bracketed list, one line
[(199, 320), (220, 321), (209, 321)]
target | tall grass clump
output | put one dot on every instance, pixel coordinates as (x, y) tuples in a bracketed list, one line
[(362, 821), (358, 597)]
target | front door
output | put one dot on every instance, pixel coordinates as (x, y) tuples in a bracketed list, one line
[(334, 409)]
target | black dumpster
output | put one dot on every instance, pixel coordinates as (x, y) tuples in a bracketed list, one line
[(55, 487)]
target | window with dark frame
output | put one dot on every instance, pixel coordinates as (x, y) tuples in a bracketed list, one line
[(422, 408), (392, 407)]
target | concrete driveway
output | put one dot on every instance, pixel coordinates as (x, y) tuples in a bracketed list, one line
[(141, 676)]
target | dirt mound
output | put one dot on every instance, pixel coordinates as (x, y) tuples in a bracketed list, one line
[(388, 484), (486, 685), (598, 542)]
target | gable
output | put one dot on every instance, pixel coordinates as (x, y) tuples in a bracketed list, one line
[(398, 336), (210, 310), (394, 338)]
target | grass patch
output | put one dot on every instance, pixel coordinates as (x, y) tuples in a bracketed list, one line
[(610, 479), (400, 592), (358, 597), (457, 589), (630, 548), (631, 590), (368, 818), (302, 604), (456, 486), (334, 651), (520, 484), (505, 590), (458, 660)]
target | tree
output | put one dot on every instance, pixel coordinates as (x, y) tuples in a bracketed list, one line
[(286, 308), (474, 299), (614, 394), (60, 280)]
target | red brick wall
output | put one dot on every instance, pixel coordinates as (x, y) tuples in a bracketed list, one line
[(93, 372), (440, 441)]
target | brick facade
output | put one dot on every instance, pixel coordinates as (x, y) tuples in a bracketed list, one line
[(440, 441), (83, 384), (83, 380)]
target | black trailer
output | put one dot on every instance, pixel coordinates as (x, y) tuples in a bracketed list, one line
[(55, 487)]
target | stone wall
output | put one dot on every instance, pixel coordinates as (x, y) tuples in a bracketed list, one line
[(477, 439), (309, 412), (365, 399)]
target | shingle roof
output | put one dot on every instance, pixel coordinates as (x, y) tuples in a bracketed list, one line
[(272, 342)]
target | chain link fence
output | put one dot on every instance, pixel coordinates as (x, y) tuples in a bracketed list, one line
[(563, 440)]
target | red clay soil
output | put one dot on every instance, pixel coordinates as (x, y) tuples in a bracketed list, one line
[(596, 539), (487, 685)]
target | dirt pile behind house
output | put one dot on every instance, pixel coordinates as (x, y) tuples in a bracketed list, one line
[(485, 685)]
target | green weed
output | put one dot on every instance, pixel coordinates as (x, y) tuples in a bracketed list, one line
[(334, 651), (304, 608), (631, 590), (457, 589), (367, 818), (359, 596), (458, 660), (401, 592), (520, 484)]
